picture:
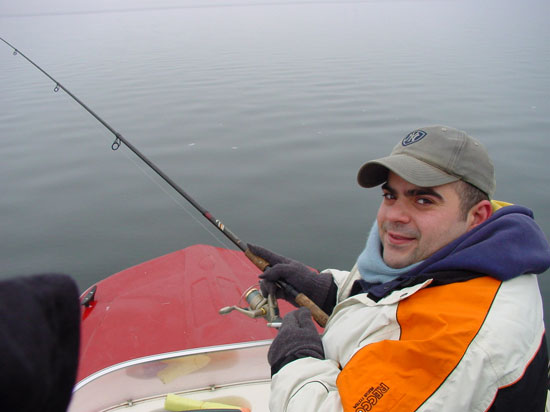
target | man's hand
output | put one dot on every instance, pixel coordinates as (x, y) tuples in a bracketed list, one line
[(297, 338), (319, 287)]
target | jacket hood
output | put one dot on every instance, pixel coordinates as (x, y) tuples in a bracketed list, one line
[(506, 245)]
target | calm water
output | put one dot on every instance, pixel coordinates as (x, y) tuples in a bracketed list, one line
[(263, 111)]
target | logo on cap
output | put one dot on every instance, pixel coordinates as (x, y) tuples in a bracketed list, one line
[(413, 137)]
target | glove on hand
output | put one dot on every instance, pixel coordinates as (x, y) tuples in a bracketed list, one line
[(297, 338), (319, 287)]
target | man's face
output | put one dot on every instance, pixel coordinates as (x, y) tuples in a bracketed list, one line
[(414, 222)]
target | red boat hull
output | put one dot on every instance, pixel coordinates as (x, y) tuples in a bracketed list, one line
[(167, 304)]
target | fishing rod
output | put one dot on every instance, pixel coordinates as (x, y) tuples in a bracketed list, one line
[(267, 308), (121, 139)]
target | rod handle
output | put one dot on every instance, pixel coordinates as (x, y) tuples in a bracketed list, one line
[(320, 317), (260, 263), (301, 300)]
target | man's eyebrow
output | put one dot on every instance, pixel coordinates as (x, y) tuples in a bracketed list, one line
[(418, 191), (424, 191)]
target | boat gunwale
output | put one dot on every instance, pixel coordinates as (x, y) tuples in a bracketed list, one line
[(169, 355)]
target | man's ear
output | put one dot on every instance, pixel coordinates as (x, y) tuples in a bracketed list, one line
[(479, 213)]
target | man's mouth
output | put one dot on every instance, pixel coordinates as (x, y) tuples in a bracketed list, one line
[(399, 239)]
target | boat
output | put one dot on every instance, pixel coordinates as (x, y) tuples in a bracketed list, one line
[(153, 338), (154, 333)]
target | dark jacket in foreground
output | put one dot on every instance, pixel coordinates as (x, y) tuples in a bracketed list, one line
[(39, 342)]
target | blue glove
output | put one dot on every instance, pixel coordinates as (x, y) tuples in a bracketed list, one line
[(297, 338), (319, 287)]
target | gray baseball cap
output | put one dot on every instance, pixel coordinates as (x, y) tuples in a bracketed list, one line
[(433, 156)]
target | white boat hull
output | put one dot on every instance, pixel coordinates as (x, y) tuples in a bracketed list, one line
[(236, 374)]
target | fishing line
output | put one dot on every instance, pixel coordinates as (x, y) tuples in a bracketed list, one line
[(171, 196)]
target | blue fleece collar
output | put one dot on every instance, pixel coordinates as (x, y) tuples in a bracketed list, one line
[(371, 265)]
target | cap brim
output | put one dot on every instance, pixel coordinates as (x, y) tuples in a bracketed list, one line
[(414, 171)]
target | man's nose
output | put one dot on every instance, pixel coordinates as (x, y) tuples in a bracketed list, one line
[(398, 212)]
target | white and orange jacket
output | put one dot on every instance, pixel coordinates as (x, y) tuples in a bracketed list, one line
[(475, 343)]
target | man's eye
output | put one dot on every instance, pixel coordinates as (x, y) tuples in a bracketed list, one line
[(388, 196), (424, 201)]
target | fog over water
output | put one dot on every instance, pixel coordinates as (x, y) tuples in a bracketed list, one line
[(263, 111)]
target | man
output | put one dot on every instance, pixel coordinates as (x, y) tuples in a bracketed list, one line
[(441, 312)]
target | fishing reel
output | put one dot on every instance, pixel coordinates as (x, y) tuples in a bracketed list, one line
[(258, 307)]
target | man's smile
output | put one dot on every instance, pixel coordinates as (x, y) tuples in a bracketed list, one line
[(395, 238)]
